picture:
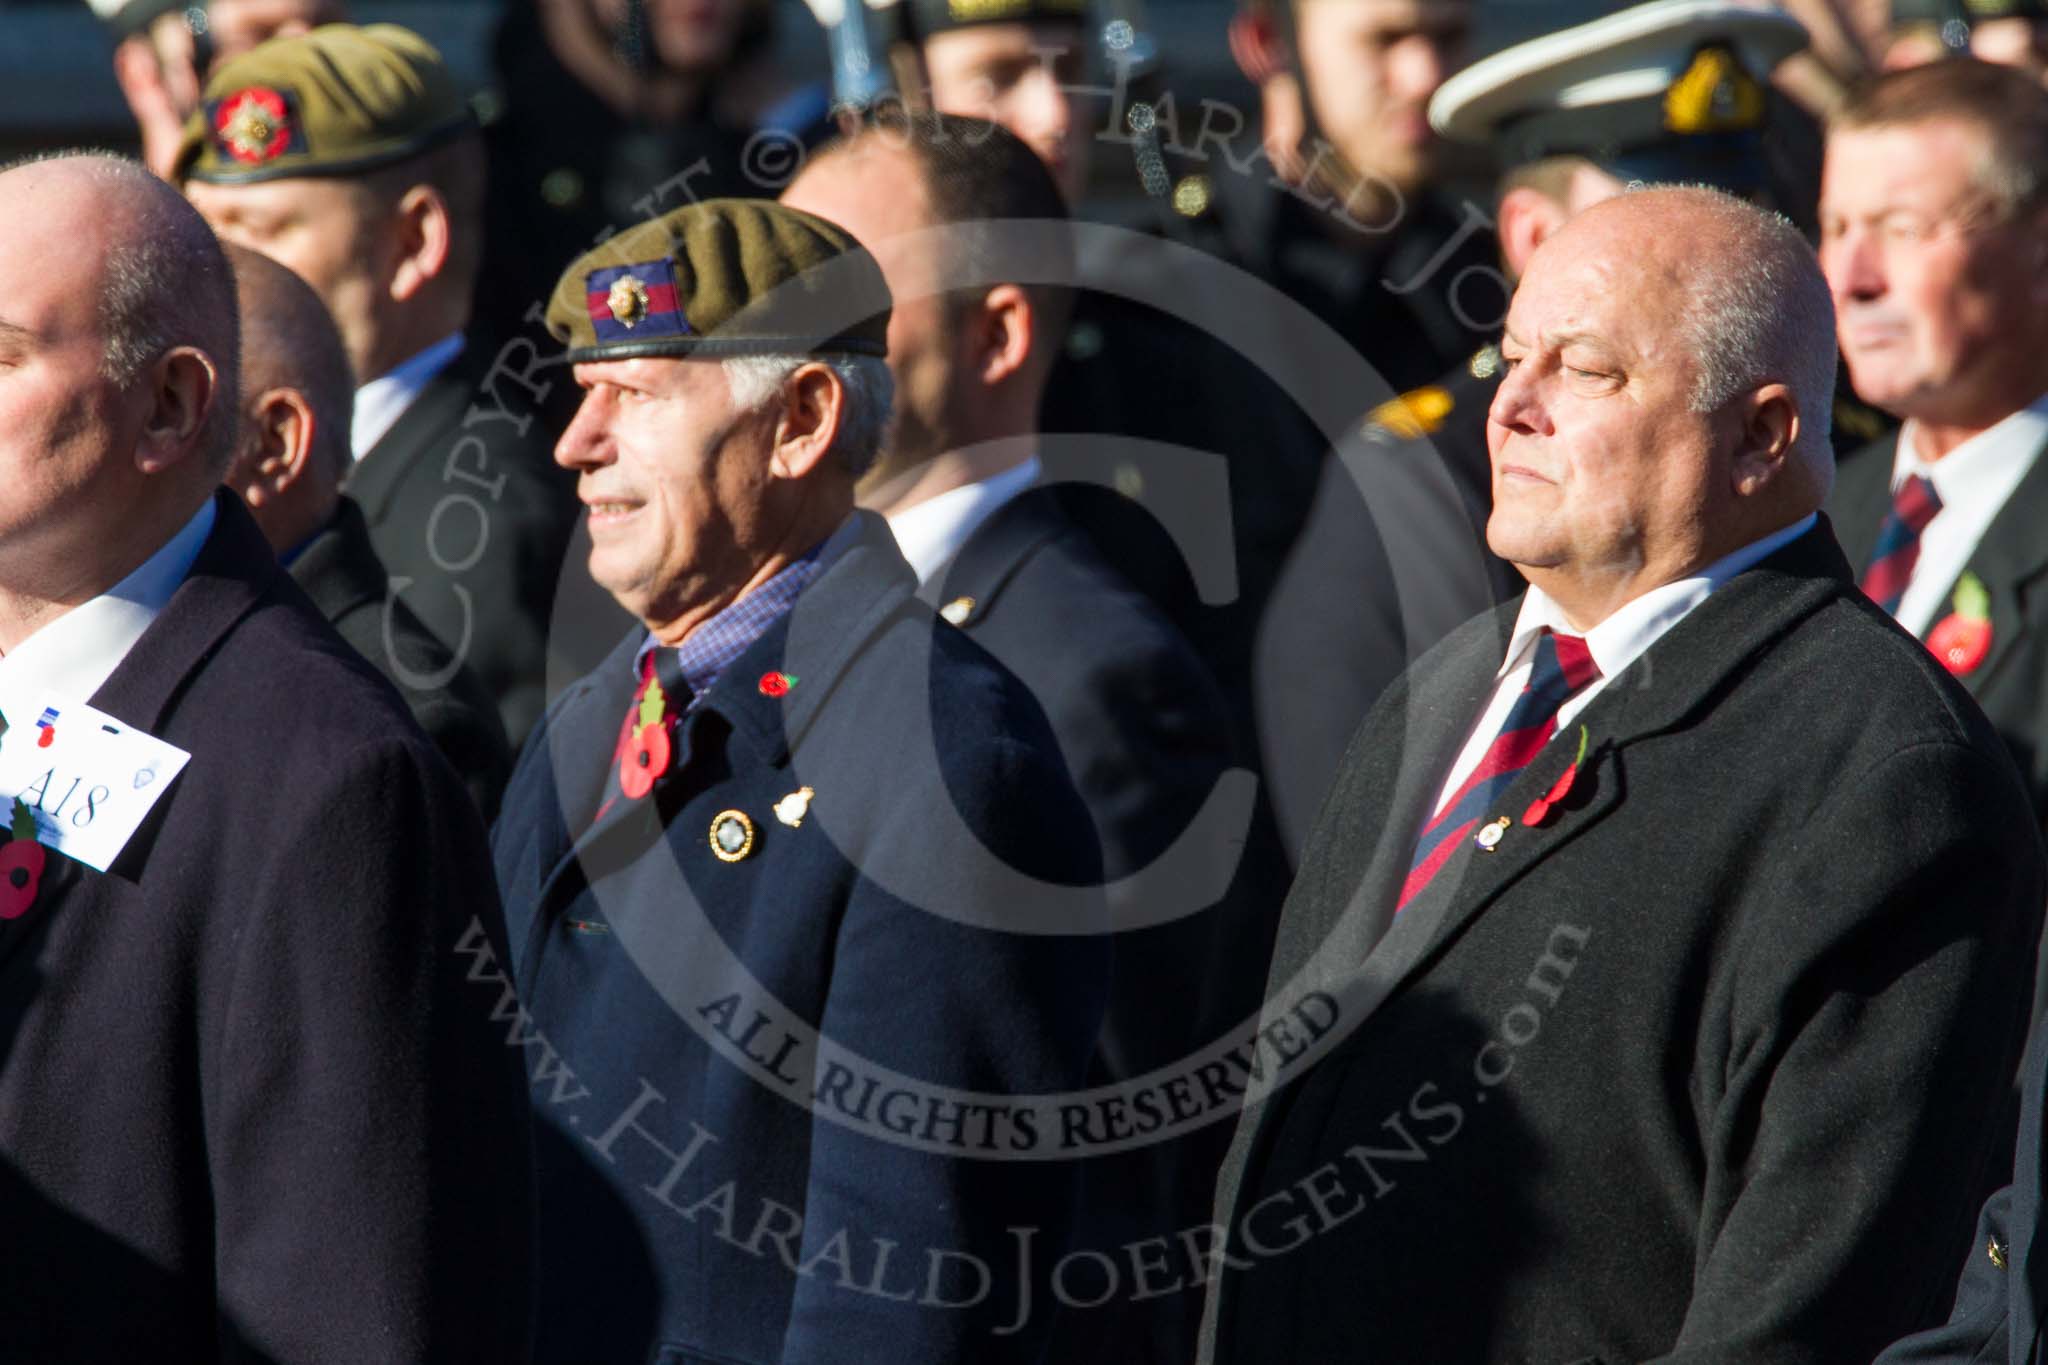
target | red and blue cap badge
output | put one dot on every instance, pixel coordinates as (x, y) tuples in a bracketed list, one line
[(631, 302), (256, 125)]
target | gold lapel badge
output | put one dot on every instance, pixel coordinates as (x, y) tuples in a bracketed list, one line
[(791, 809), (732, 836), (1489, 838), (956, 612)]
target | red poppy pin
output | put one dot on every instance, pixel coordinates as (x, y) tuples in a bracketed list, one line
[(777, 684), (1963, 637), (254, 125), (21, 864), (1539, 809), (648, 752)]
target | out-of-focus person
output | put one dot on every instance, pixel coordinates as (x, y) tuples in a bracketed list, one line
[(253, 1106), (349, 155), (291, 456), (1401, 511), (166, 48), (1673, 925), (2008, 32), (1358, 231), (607, 112), (794, 784), (1141, 725), (1935, 241)]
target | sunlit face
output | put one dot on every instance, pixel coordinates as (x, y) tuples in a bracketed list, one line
[(674, 477), (1931, 284), (1370, 68), (875, 192), (330, 232), (1021, 76), (68, 434), (1600, 468)]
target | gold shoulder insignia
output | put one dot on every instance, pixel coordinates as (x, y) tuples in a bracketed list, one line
[(1859, 421), (1715, 95), (1486, 363), (1415, 414)]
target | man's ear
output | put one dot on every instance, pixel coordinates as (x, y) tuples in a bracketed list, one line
[(1256, 45), (999, 333), (1528, 217), (277, 444), (183, 387), (813, 407), (425, 230), (1770, 429)]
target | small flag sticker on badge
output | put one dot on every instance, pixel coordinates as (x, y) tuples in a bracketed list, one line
[(47, 723)]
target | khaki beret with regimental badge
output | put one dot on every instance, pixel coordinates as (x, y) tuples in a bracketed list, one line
[(340, 100), (723, 278)]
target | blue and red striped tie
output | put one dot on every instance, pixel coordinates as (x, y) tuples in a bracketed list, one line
[(1898, 543), (1563, 667)]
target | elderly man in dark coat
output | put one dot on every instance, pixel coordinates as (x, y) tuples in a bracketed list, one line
[(803, 901), (1679, 918), (252, 1105)]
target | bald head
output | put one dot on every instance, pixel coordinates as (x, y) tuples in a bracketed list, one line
[(290, 342), (117, 329), (1671, 377)]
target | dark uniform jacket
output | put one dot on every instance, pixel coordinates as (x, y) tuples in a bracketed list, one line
[(1147, 738), (472, 521), (251, 1107), (2011, 684), (340, 571), (1705, 1067), (1392, 559), (664, 1164)]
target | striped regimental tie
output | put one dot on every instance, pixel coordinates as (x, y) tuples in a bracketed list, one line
[(1564, 667), (1898, 542)]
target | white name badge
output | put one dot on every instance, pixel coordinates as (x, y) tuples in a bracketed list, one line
[(87, 778)]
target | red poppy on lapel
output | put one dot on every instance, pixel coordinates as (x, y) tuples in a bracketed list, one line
[(1963, 637), (1539, 809), (21, 865), (777, 684), (647, 758)]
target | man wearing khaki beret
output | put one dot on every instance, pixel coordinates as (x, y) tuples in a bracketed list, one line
[(803, 905), (349, 155)]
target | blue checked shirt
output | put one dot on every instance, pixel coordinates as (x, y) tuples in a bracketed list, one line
[(715, 644)]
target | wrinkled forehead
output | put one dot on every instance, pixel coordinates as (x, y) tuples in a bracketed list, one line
[(53, 246), (1599, 288)]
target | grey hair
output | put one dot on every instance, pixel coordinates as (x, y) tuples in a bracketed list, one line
[(756, 379), (1761, 313)]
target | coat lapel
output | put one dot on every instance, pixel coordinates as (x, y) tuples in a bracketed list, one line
[(339, 568), (232, 575), (1674, 679), (375, 480), (2012, 554), (995, 551)]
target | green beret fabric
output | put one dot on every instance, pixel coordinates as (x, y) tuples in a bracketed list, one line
[(725, 277), (937, 16), (340, 100)]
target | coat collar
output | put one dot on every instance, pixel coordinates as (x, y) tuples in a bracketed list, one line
[(1862, 496), (1676, 679), (996, 550), (439, 405), (863, 586), (339, 568)]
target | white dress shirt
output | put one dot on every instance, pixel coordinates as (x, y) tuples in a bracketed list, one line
[(382, 401), (68, 659), (933, 531), (1614, 644), (1973, 481)]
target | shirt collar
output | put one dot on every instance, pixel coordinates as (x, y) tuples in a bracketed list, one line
[(714, 645), (382, 401), (69, 658), (1987, 462), (932, 532), (1631, 629)]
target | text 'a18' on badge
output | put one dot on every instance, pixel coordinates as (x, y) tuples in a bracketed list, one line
[(88, 779)]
